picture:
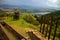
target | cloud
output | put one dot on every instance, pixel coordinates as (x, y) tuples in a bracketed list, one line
[(1, 1), (11, 2), (19, 2), (37, 3), (53, 3), (59, 3)]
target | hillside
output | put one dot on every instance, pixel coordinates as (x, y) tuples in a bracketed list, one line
[(54, 14)]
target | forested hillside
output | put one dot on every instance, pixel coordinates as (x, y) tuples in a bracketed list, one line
[(54, 14)]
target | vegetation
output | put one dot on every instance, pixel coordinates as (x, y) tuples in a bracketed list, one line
[(28, 21), (21, 24), (54, 14), (2, 14)]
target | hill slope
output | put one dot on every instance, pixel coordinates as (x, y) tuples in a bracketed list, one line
[(54, 14)]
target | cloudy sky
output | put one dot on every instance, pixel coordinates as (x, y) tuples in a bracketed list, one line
[(38, 3)]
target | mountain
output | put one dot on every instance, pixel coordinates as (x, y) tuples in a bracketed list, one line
[(25, 6), (16, 6), (28, 7)]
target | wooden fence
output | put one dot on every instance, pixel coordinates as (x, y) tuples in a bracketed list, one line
[(49, 26), (2, 34), (19, 36)]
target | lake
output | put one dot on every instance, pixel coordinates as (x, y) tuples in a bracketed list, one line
[(42, 13), (38, 13)]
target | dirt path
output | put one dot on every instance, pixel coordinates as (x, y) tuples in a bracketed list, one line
[(9, 34)]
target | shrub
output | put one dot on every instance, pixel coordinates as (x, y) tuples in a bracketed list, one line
[(2, 14), (30, 19)]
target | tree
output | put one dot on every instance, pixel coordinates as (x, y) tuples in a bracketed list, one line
[(30, 19), (16, 14)]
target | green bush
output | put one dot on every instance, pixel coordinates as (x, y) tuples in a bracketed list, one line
[(10, 14), (2, 14), (30, 19)]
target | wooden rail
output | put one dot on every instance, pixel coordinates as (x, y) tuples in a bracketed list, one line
[(36, 35), (3, 36), (19, 36)]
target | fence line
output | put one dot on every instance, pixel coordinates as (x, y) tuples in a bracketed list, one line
[(49, 21)]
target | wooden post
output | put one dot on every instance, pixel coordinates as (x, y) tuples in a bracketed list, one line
[(47, 28), (56, 22), (50, 22), (43, 25)]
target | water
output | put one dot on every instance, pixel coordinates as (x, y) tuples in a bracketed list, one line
[(38, 13), (42, 13)]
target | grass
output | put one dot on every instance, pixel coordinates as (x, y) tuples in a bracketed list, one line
[(21, 25)]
